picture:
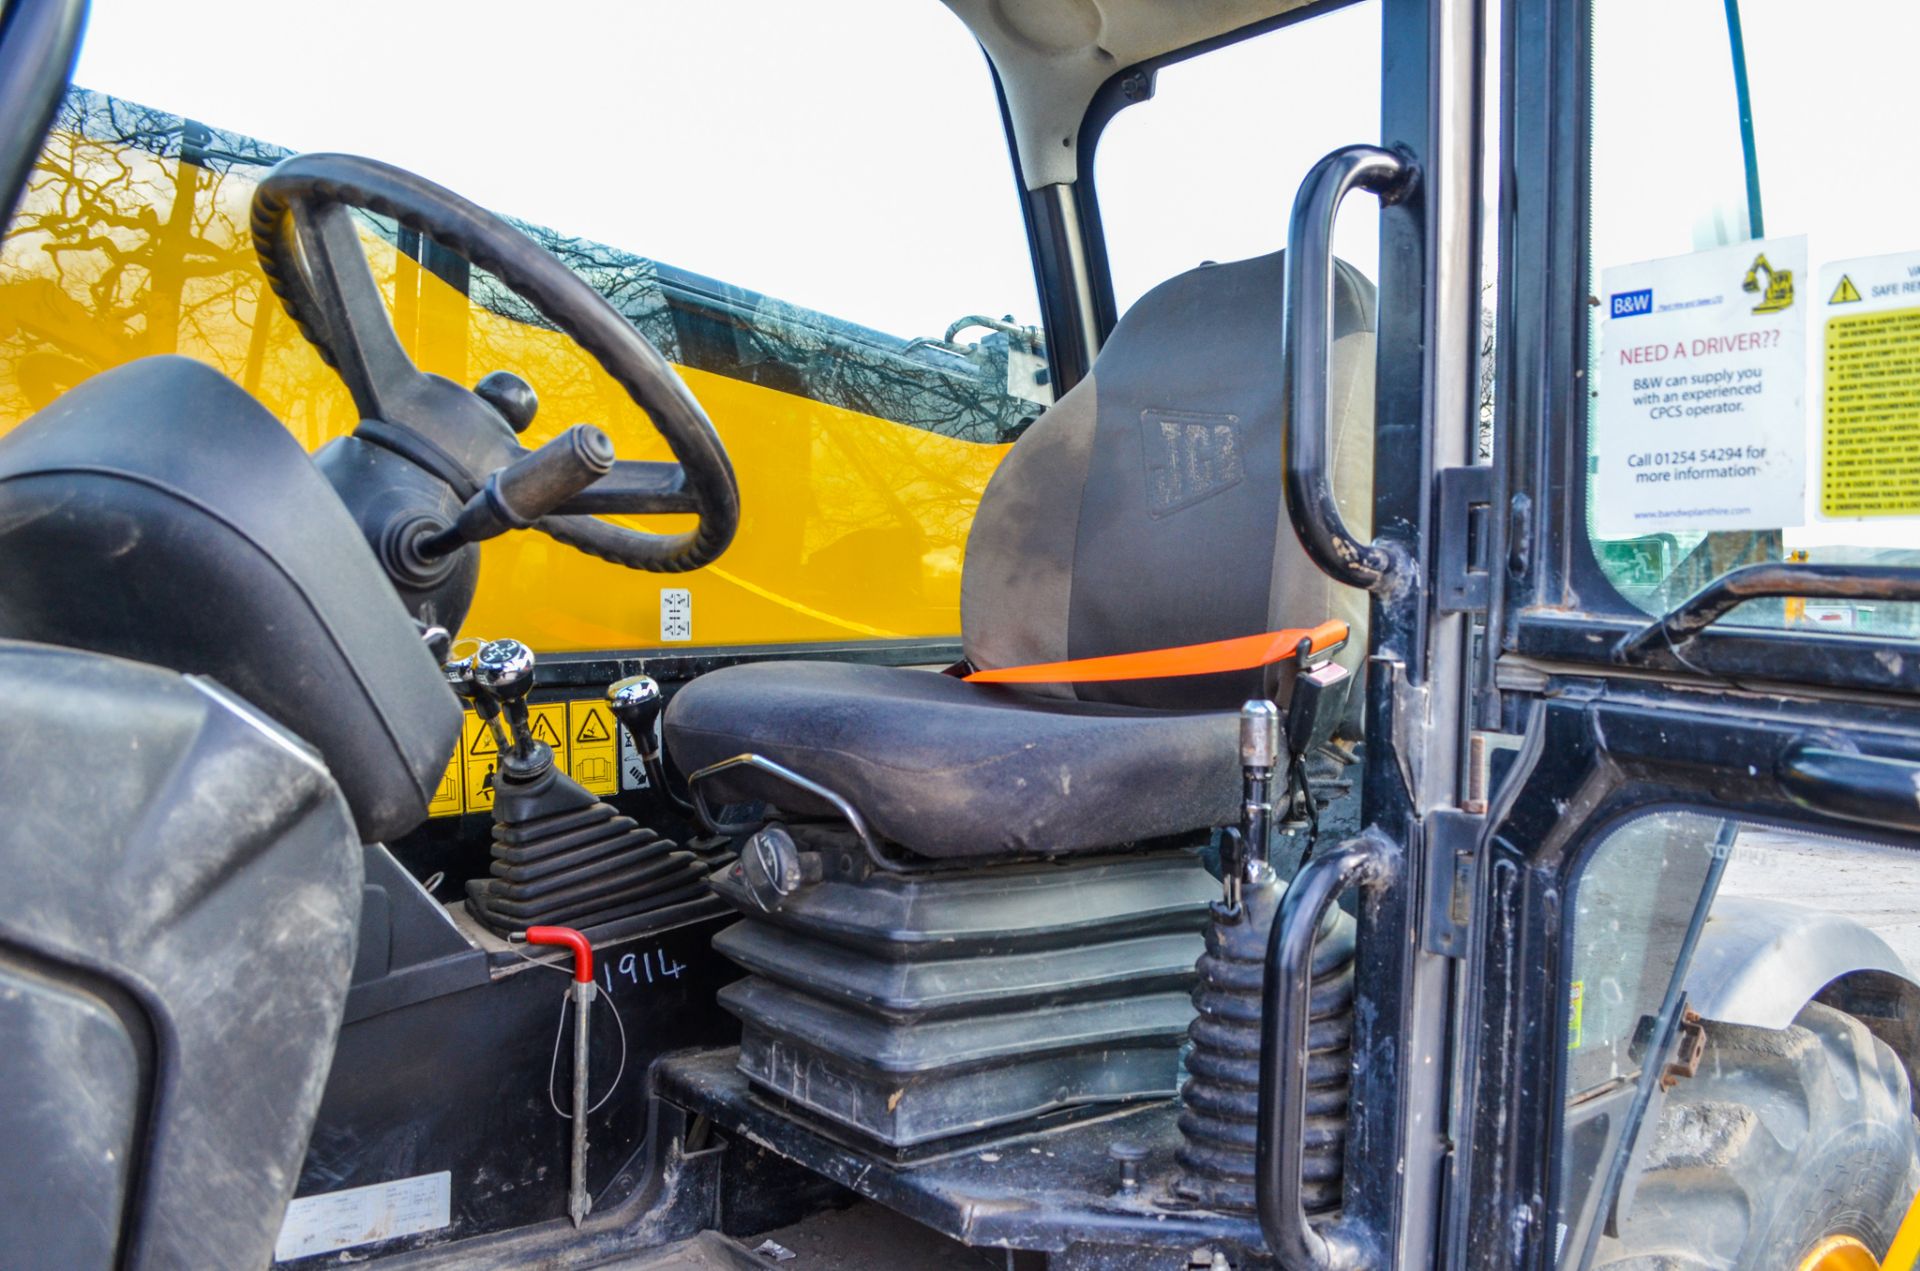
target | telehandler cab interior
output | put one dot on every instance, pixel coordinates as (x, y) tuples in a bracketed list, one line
[(523, 754)]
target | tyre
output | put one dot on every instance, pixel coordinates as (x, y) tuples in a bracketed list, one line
[(1782, 1139)]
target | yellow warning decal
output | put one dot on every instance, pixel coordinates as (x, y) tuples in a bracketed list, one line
[(585, 742), (1870, 449), (594, 751), (549, 722), (1846, 293), (446, 796), (1574, 1022)]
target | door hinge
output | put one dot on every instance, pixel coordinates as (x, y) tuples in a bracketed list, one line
[(1452, 856), (1689, 1048), (1464, 584)]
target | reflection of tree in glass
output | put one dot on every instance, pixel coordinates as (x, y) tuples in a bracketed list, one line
[(133, 240), (140, 221)]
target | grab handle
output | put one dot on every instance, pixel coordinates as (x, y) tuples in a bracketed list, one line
[(1286, 1002), (1306, 359), (1864, 788)]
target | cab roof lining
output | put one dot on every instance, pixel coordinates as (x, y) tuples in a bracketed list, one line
[(1053, 55)]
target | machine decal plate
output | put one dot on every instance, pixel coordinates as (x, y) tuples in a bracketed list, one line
[(363, 1215)]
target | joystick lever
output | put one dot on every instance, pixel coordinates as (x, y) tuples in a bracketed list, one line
[(503, 676), (532, 486), (459, 673), (1247, 862)]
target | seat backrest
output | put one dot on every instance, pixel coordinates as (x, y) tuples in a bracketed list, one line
[(160, 514), (1144, 510)]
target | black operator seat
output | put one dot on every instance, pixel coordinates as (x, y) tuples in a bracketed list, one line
[(160, 514), (1143, 511)]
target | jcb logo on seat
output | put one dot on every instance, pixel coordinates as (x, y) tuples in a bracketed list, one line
[(1188, 458)]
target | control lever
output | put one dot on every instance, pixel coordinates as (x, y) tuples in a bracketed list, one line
[(1246, 863), (637, 703), (525, 490), (459, 673), (503, 674)]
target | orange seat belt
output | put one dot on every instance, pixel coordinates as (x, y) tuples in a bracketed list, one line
[(1243, 653)]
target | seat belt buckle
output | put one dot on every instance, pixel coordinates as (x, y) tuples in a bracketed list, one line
[(1318, 703)]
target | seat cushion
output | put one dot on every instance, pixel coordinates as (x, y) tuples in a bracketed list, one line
[(955, 770)]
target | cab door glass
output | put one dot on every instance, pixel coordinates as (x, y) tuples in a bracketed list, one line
[(1738, 1045), (840, 272), (1755, 301)]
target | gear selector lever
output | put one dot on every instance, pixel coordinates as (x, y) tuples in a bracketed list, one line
[(637, 703)]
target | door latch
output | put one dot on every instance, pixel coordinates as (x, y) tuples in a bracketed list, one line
[(1464, 584)]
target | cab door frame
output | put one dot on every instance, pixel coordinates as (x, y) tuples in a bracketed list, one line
[(1595, 737), (1427, 170)]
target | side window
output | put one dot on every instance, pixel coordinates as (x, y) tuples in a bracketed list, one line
[(1207, 167), (1204, 168), (1755, 352), (847, 288)]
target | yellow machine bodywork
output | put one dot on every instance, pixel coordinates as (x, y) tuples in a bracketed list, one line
[(852, 528)]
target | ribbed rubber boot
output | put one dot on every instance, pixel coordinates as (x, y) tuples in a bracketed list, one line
[(561, 856), (1222, 1092)]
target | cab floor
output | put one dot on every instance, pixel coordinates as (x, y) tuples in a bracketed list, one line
[(861, 1237)]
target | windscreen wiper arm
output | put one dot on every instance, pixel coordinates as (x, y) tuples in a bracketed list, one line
[(1677, 627)]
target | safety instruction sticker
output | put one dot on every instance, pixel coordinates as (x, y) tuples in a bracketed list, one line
[(1700, 417), (593, 752), (586, 743), (1870, 412), (1576, 1023), (446, 799), (363, 1215)]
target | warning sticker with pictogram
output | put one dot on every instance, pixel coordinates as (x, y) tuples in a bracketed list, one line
[(476, 738), (446, 796), (480, 783), (1870, 417), (585, 740), (594, 755), (546, 720), (546, 727)]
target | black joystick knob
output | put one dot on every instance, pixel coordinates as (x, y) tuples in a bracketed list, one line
[(503, 672), (637, 703), (512, 396)]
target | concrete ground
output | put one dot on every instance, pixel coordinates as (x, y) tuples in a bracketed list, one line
[(1876, 886)]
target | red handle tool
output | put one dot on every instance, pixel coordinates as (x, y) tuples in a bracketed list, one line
[(568, 937)]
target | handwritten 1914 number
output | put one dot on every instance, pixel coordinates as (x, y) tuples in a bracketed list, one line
[(655, 964)]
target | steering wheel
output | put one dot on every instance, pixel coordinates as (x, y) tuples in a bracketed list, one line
[(312, 257)]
